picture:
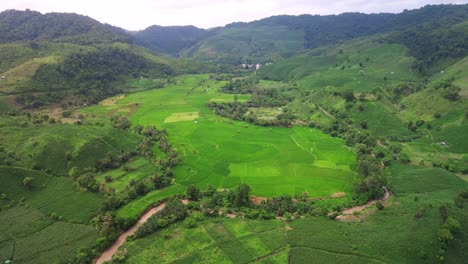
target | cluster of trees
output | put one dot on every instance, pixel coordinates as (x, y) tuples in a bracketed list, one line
[(151, 135), (211, 202), (92, 76), (269, 98), (240, 86), (453, 165), (162, 177), (449, 90), (260, 98), (370, 157), (240, 111), (174, 211)]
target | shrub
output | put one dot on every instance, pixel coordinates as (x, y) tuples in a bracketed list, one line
[(192, 193), (28, 182), (379, 205), (190, 222)]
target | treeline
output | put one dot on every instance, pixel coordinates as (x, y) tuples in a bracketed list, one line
[(238, 202), (90, 75), (29, 25)]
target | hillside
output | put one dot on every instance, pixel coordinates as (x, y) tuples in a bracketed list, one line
[(56, 27), (252, 42), (170, 40), (43, 73)]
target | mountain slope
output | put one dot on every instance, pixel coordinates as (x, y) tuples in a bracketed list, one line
[(278, 37), (56, 27), (170, 40)]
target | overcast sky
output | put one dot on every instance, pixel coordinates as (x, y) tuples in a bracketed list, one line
[(139, 14)]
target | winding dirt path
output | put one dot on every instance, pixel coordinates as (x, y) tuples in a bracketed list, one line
[(109, 252), (360, 208), (107, 255)]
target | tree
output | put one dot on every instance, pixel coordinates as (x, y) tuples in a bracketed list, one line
[(192, 192), (140, 188), (363, 124), (241, 195), (452, 92), (28, 182), (210, 191), (443, 212), (348, 95)]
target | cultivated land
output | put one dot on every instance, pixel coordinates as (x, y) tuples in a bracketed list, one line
[(393, 235), (224, 153), (33, 224), (392, 92)]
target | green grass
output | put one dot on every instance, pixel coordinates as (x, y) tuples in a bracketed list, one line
[(225, 153), (5, 104)]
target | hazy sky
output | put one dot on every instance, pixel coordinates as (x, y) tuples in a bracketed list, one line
[(139, 14)]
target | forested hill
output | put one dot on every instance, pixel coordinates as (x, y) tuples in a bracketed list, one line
[(277, 37), (57, 27), (325, 30), (170, 40)]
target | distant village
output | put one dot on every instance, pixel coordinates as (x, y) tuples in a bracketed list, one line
[(254, 66)]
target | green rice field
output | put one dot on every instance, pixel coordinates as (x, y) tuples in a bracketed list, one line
[(224, 153)]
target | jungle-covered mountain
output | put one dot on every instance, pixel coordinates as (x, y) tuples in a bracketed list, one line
[(277, 37), (57, 27), (170, 40)]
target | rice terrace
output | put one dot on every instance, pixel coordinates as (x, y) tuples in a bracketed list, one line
[(289, 139)]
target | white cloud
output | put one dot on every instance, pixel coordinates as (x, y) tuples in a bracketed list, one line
[(139, 14)]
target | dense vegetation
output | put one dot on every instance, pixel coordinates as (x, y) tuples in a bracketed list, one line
[(277, 37), (170, 40), (56, 27), (92, 76)]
